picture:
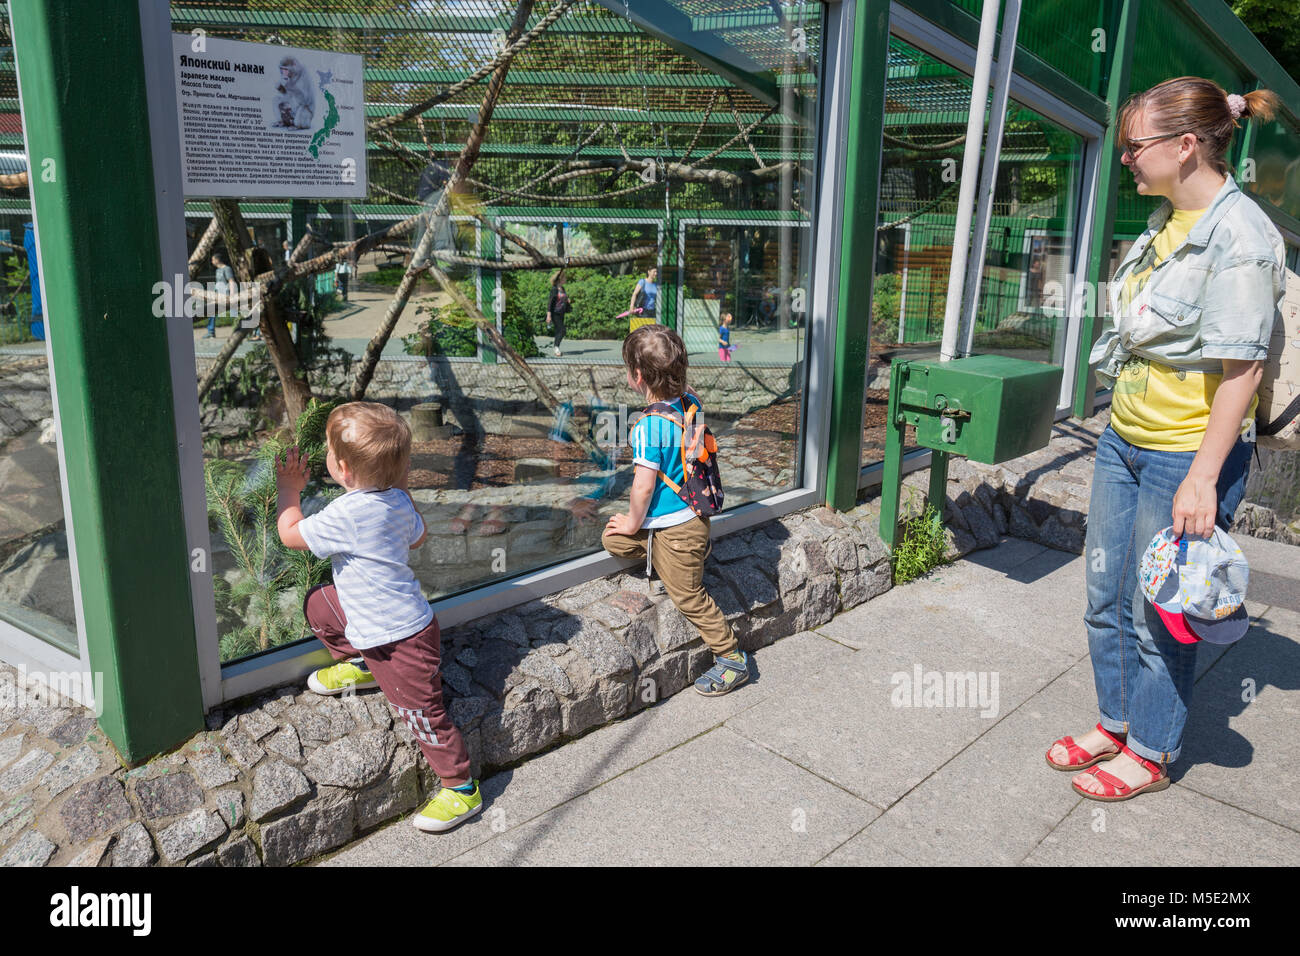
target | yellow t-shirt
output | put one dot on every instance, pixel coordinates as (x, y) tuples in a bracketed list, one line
[(1152, 404)]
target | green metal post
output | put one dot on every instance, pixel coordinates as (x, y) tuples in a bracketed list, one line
[(298, 220), (487, 249), (938, 493), (99, 247), (668, 283), (891, 485), (1105, 202), (865, 126)]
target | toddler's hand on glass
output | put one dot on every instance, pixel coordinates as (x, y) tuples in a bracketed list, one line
[(583, 509), (291, 470)]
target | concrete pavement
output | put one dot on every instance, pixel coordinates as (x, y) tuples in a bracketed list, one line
[(830, 757)]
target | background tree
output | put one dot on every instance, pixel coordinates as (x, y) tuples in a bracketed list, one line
[(1277, 25)]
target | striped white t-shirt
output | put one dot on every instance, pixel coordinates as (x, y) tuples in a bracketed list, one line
[(367, 536)]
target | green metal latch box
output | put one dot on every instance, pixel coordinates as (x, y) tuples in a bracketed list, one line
[(988, 408)]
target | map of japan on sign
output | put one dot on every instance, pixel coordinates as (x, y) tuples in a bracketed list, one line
[(263, 120)]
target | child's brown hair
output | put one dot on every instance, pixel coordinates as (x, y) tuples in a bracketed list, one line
[(657, 352), (373, 440)]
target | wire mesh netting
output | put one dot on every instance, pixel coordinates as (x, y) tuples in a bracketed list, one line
[(592, 88)]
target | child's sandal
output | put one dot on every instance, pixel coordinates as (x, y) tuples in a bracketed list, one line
[(714, 682)]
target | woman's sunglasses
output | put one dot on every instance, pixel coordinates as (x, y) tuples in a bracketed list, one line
[(1130, 145)]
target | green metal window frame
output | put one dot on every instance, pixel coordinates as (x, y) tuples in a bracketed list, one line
[(132, 554), (1212, 18)]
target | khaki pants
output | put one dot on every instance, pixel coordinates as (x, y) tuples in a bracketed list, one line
[(678, 554)]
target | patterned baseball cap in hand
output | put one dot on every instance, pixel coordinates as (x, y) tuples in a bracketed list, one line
[(1198, 586)]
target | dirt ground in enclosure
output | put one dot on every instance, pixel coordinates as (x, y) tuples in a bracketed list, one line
[(464, 462), (770, 434), (461, 462)]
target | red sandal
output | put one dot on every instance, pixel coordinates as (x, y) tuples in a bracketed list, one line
[(1080, 758), (1117, 789)]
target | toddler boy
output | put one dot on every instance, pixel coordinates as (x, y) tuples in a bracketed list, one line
[(373, 619)]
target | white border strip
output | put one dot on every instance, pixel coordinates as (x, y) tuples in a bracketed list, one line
[(165, 144)]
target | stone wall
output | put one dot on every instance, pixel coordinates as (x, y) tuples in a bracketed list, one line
[(1272, 507)]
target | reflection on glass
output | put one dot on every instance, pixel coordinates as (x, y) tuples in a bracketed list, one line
[(609, 153), (1276, 155), (1020, 310), (36, 590)]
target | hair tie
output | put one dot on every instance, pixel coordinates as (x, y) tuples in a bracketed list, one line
[(1237, 104)]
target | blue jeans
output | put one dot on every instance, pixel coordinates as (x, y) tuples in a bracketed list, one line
[(1144, 677)]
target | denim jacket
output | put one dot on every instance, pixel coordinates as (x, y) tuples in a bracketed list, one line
[(1214, 297)]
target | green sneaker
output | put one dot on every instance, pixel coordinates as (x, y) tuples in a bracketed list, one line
[(342, 676), (450, 808)]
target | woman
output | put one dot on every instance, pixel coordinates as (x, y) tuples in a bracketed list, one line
[(342, 273), (557, 307), (645, 300), (1192, 310)]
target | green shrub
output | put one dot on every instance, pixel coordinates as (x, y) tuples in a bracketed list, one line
[(597, 299), (886, 297), (385, 275), (921, 548), (15, 323), (451, 331), (597, 296), (255, 610)]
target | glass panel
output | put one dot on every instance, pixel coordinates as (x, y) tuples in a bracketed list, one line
[(1074, 36), (1169, 45), (36, 590), (1020, 310), (1032, 236), (1276, 152), (926, 106), (607, 149)]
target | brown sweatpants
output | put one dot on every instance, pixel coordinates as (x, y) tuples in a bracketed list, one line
[(678, 554), (407, 671)]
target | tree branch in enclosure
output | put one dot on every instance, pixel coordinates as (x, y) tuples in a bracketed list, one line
[(525, 371), (921, 147), (468, 156), (240, 331), (690, 174), (201, 251), (297, 393)]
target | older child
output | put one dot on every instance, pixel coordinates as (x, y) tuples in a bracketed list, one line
[(373, 618), (658, 522)]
